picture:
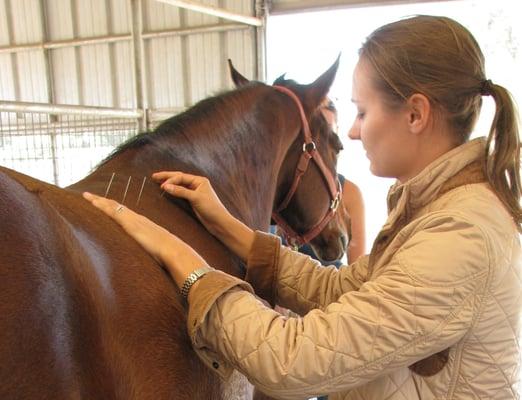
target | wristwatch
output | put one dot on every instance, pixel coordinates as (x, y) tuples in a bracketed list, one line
[(192, 278)]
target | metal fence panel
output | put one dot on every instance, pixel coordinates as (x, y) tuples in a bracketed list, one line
[(59, 148)]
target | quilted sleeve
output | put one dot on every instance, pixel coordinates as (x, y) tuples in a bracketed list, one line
[(293, 280), (424, 301), (303, 284)]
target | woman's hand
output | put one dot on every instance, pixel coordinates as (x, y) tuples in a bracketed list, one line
[(211, 212), (199, 192), (178, 257)]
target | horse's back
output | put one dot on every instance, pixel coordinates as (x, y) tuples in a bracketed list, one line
[(84, 311)]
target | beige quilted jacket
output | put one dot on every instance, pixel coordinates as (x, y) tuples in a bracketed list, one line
[(432, 313)]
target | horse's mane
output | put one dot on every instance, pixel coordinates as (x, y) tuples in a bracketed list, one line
[(216, 109)]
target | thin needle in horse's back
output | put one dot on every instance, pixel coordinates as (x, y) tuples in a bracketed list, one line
[(109, 185), (126, 189), (141, 190)]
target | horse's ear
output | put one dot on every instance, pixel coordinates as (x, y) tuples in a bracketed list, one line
[(238, 79), (317, 91)]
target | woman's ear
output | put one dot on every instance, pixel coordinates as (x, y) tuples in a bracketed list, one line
[(420, 112)]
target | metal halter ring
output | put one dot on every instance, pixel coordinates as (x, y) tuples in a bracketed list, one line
[(305, 149)]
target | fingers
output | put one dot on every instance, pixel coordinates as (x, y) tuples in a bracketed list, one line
[(179, 178), (162, 175), (179, 191)]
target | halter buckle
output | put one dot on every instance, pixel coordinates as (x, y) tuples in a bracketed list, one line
[(335, 202)]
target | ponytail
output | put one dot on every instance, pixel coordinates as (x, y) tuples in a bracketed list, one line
[(503, 152)]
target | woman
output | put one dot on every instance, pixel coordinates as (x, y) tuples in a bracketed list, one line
[(433, 311)]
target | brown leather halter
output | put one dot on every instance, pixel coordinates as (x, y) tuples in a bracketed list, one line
[(334, 188)]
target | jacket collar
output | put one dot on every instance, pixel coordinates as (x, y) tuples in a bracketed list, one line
[(460, 166), (443, 174)]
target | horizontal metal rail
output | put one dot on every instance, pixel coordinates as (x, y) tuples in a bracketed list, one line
[(70, 127), (214, 11), (161, 114), (195, 30), (58, 109), (58, 44)]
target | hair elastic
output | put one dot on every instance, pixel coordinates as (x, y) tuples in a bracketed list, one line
[(486, 87)]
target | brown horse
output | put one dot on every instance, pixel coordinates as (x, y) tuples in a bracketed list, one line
[(85, 313)]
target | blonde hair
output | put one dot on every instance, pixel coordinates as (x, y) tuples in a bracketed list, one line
[(440, 58)]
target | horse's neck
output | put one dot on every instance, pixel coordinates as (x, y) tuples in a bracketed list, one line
[(242, 170)]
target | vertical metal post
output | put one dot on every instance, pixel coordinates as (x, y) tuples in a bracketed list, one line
[(112, 57), (50, 90), (185, 62), (54, 145), (140, 89), (14, 57), (223, 51), (48, 65), (77, 53), (261, 12)]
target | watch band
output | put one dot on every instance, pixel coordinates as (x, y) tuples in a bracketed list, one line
[(192, 278)]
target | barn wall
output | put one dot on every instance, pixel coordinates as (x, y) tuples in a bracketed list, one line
[(99, 72)]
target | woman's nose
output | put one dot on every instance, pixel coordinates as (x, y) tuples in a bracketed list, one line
[(353, 132)]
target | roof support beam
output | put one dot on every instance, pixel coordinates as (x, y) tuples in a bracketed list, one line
[(297, 6), (214, 11), (58, 44)]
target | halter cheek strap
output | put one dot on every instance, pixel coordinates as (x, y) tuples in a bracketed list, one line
[(309, 153)]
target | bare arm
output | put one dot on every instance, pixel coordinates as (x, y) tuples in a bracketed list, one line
[(354, 206), (235, 235)]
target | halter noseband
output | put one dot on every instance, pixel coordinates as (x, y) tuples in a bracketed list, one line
[(309, 153)]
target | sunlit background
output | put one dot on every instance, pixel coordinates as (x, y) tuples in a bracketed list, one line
[(305, 45)]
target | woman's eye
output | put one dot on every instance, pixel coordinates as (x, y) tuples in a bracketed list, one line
[(360, 115)]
